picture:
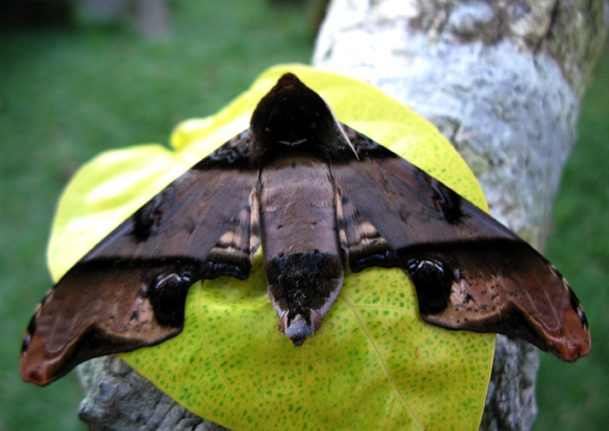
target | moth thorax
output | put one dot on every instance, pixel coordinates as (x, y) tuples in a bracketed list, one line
[(291, 119)]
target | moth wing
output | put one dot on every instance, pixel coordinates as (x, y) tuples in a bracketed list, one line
[(129, 291), (470, 272)]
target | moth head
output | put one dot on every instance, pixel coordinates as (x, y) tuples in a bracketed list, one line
[(292, 118)]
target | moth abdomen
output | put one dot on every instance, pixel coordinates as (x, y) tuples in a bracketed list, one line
[(302, 287), (303, 260), (303, 278)]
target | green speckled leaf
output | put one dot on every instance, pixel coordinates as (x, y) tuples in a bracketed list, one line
[(374, 365)]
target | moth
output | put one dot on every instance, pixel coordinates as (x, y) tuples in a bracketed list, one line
[(314, 193)]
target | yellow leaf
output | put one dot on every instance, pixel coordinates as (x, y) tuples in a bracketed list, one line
[(374, 364)]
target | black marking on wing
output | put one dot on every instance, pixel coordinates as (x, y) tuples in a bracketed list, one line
[(235, 154), (448, 202), (147, 219), (576, 305), (167, 294), (433, 282)]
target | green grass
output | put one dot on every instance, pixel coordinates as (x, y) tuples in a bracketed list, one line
[(66, 95)]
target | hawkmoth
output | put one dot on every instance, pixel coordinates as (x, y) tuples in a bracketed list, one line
[(314, 194)]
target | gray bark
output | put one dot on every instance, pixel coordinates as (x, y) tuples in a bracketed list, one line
[(120, 399), (503, 81)]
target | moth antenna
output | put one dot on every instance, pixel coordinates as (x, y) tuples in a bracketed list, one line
[(341, 129)]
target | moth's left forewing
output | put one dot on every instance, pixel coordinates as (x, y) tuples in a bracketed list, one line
[(470, 272), (129, 291)]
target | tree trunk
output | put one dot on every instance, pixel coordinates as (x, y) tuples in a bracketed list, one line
[(503, 81)]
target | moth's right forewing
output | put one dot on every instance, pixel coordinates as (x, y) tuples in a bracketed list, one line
[(470, 272)]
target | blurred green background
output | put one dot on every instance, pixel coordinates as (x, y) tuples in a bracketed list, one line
[(83, 84)]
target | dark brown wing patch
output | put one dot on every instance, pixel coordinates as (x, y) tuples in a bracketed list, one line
[(101, 308), (470, 271), (504, 287), (129, 291)]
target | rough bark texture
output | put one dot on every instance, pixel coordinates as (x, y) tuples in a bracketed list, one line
[(503, 81), (120, 399)]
